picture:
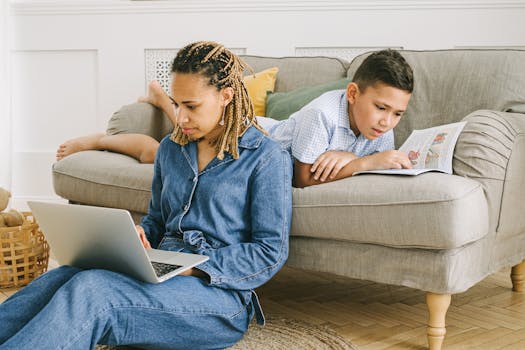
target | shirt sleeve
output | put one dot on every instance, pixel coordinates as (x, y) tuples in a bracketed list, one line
[(153, 222), (247, 265), (311, 135)]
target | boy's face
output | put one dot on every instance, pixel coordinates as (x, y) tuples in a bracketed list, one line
[(375, 110)]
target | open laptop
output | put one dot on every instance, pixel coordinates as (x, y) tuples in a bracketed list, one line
[(106, 238)]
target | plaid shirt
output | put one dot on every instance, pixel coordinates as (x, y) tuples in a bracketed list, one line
[(323, 125)]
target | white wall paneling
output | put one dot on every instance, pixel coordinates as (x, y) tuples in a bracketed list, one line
[(32, 178), (100, 54), (5, 100), (54, 94)]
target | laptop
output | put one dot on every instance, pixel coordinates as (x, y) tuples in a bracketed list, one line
[(106, 238)]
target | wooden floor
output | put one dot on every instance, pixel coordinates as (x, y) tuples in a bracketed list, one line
[(377, 316)]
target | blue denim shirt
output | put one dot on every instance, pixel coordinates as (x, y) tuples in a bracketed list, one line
[(237, 212)]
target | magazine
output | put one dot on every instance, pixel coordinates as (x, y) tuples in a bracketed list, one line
[(428, 150)]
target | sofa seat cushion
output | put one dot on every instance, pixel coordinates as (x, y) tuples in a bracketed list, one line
[(431, 210), (104, 179)]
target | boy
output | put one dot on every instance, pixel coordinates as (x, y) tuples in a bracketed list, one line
[(345, 131), (335, 135)]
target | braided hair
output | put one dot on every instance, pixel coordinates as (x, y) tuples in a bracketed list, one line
[(223, 69)]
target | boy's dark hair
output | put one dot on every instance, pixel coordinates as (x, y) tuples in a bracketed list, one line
[(386, 66)]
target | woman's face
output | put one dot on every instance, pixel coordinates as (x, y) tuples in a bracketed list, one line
[(198, 106)]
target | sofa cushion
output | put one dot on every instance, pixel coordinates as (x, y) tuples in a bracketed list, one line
[(437, 211), (259, 85), (432, 210), (104, 179), (449, 84), (280, 105), (296, 72), (140, 118)]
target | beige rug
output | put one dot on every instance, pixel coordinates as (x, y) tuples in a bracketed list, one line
[(284, 334)]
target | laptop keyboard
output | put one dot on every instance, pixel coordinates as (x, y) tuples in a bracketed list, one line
[(161, 269)]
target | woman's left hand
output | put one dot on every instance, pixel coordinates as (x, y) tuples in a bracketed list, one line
[(142, 236), (193, 272)]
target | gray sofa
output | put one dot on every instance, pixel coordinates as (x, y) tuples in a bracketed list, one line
[(435, 232)]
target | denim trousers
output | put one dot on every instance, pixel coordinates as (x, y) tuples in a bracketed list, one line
[(69, 308)]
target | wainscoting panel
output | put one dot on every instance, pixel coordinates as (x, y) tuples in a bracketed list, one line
[(32, 178), (54, 98)]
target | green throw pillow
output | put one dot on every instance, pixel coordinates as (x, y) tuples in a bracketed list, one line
[(280, 105)]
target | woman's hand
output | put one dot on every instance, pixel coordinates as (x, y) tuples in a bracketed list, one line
[(142, 236), (194, 272)]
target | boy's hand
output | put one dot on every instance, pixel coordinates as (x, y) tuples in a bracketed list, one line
[(330, 163), (142, 236), (391, 159)]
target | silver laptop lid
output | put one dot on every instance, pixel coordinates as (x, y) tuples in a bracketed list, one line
[(94, 237)]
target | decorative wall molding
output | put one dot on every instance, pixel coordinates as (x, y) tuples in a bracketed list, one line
[(83, 7)]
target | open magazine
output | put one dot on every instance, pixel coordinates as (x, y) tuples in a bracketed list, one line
[(428, 150)]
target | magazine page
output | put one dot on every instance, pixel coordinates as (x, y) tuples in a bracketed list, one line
[(428, 150), (433, 148)]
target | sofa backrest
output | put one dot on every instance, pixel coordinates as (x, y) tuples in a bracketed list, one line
[(297, 72), (450, 84)]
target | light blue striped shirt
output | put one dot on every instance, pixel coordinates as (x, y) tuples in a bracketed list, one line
[(323, 125)]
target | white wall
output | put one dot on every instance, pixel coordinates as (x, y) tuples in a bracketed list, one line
[(5, 113), (76, 62)]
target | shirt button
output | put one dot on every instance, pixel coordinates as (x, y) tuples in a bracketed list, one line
[(186, 207), (195, 179)]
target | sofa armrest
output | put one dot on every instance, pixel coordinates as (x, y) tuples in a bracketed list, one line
[(140, 118), (491, 149)]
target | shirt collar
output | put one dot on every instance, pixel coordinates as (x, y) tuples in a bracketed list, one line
[(251, 138), (343, 120)]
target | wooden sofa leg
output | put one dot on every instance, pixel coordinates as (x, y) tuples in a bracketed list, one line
[(437, 310), (517, 275)]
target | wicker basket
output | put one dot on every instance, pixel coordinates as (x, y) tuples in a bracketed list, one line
[(24, 253)]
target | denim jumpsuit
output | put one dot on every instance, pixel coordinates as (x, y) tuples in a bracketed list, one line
[(237, 212)]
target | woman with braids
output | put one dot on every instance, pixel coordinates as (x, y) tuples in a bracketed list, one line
[(221, 188)]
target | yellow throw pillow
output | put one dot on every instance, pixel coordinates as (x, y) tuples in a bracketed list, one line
[(258, 86)]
